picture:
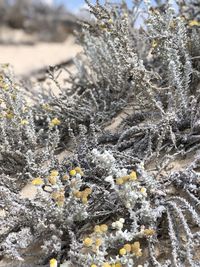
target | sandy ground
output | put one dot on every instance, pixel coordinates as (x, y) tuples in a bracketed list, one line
[(27, 58)]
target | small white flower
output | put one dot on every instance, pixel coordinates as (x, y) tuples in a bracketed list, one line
[(122, 220), (78, 176), (119, 225), (109, 179), (128, 205), (114, 225)]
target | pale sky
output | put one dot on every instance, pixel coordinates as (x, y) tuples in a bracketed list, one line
[(76, 4)]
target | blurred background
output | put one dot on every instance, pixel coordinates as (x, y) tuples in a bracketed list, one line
[(37, 33)]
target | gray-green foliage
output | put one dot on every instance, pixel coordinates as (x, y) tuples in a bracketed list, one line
[(150, 77)]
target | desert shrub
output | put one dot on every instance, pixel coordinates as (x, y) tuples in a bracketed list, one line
[(113, 199)]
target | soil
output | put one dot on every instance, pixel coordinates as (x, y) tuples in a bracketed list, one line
[(26, 58)]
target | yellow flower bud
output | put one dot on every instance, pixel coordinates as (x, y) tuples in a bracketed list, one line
[(119, 181), (149, 232), (88, 190), (122, 251), (104, 228), (97, 229), (24, 122), (55, 122), (52, 180), (78, 169), (136, 250), (54, 173), (77, 194), (133, 176), (38, 181), (72, 172), (125, 178), (194, 23), (53, 263), (87, 242), (127, 247), (84, 200)]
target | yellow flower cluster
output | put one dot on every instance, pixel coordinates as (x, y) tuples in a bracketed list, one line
[(38, 181), (53, 177), (193, 23), (54, 173), (83, 195), (72, 173), (131, 248), (76, 170), (53, 263), (55, 122), (9, 115), (59, 197), (95, 241), (100, 229), (149, 232), (88, 242), (131, 177), (24, 122)]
